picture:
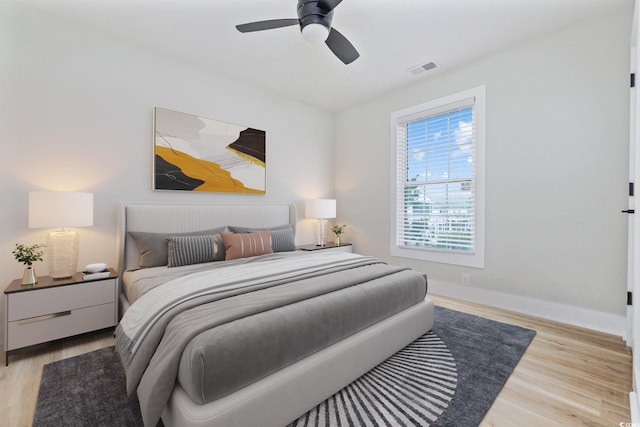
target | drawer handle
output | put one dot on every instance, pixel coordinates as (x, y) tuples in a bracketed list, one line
[(43, 318)]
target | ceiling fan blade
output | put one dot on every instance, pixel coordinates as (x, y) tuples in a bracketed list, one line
[(266, 25), (328, 5), (341, 47)]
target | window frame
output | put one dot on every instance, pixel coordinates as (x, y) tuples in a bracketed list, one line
[(441, 105)]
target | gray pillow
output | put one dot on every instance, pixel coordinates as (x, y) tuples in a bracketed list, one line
[(187, 250), (235, 229), (153, 246), (282, 238)]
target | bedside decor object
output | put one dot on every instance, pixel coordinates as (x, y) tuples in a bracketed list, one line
[(193, 153), (96, 267), (95, 276), (52, 209), (28, 255), (338, 230), (320, 210)]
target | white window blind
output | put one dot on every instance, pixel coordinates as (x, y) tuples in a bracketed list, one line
[(435, 178)]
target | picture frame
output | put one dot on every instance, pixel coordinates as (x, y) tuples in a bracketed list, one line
[(193, 153)]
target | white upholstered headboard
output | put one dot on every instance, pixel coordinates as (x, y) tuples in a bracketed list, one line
[(179, 218)]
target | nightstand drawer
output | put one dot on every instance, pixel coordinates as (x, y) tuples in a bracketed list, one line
[(41, 302), (36, 330)]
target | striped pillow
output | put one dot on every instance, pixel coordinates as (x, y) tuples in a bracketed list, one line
[(153, 246), (247, 245), (187, 250), (282, 238)]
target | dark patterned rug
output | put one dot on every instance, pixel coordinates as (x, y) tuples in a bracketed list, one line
[(448, 377)]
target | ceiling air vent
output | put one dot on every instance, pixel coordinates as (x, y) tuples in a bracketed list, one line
[(419, 69)]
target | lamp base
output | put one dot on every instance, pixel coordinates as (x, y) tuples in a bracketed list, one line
[(321, 225), (62, 253)]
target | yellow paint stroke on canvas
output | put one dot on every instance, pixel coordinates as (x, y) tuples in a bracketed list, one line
[(215, 178), (247, 157)]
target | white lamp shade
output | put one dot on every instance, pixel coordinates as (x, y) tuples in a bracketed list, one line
[(54, 209), (320, 208)]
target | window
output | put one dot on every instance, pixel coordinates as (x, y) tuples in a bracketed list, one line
[(438, 180)]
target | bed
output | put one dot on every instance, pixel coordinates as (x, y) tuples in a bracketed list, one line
[(262, 334)]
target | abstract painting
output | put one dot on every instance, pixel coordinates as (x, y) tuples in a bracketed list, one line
[(193, 153)]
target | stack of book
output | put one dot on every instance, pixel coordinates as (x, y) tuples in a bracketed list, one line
[(97, 275)]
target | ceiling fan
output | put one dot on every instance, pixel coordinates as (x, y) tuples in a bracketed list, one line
[(314, 18)]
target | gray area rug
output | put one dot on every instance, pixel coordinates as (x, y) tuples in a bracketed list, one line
[(448, 377)]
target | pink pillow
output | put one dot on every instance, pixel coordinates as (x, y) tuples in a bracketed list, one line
[(244, 245)]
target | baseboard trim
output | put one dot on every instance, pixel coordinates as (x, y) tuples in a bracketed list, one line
[(635, 410), (578, 316)]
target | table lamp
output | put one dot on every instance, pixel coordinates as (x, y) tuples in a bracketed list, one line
[(61, 209), (320, 210)]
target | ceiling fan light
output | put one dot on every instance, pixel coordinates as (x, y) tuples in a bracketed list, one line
[(315, 33)]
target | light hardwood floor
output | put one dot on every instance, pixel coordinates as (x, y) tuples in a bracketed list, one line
[(568, 376), (20, 381)]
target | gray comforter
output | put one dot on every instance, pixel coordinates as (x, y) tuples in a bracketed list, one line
[(309, 302)]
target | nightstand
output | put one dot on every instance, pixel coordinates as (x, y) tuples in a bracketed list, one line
[(342, 247), (53, 309)]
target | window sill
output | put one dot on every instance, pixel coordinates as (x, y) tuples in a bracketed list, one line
[(475, 260)]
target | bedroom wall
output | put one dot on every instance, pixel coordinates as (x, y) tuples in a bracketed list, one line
[(557, 172), (76, 114)]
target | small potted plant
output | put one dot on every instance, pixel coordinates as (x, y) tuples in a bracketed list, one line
[(28, 255), (338, 230)]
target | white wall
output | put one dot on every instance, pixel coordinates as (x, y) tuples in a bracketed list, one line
[(76, 114), (557, 170)]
